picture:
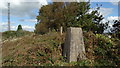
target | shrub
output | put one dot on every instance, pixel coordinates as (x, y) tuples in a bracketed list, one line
[(8, 34), (22, 33), (19, 28), (99, 47), (41, 28), (13, 34), (83, 63)]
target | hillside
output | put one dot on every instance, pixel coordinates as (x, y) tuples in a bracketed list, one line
[(45, 50), (93, 35), (32, 50)]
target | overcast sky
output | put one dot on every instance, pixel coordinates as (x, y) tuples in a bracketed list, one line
[(24, 12)]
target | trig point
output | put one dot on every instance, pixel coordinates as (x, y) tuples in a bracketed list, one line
[(74, 45)]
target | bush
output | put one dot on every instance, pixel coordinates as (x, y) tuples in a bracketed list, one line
[(19, 28), (22, 33), (99, 47), (41, 28), (8, 34), (13, 34), (84, 63)]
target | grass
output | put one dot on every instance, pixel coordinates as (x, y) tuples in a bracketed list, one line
[(45, 50), (32, 50)]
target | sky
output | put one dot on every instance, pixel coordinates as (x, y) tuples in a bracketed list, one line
[(24, 13)]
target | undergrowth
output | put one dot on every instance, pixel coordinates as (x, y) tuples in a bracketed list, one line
[(45, 50)]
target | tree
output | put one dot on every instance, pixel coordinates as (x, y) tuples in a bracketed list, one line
[(90, 21), (51, 15), (41, 28), (71, 14), (19, 28), (116, 28)]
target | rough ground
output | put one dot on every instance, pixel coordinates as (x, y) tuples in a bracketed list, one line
[(33, 50)]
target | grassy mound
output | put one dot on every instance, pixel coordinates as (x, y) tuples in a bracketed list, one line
[(33, 50), (14, 34), (45, 50)]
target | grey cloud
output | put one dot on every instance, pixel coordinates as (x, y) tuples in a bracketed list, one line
[(22, 9), (29, 20)]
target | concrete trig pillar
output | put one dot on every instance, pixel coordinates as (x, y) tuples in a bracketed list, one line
[(74, 45)]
